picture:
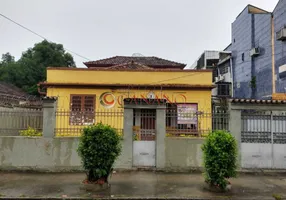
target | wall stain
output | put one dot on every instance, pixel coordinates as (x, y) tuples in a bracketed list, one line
[(67, 161), (7, 144)]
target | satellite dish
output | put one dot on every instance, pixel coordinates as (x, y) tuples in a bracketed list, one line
[(137, 55)]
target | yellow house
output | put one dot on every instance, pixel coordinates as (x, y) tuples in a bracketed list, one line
[(98, 93)]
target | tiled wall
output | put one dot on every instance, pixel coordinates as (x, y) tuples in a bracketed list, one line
[(241, 43), (280, 46)]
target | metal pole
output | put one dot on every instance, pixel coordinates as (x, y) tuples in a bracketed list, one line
[(272, 139)]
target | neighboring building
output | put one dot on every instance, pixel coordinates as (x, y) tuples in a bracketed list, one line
[(279, 22), (12, 96), (208, 60), (251, 53), (220, 63), (223, 76), (108, 83), (259, 53)]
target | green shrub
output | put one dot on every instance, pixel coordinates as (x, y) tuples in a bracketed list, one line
[(220, 158), (31, 132), (98, 148)]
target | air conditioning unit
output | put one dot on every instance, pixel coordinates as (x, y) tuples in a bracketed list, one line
[(255, 52), (221, 78), (281, 35)]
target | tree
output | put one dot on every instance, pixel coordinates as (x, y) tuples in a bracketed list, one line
[(7, 58), (30, 69)]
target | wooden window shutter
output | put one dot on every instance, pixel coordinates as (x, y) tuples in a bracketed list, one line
[(76, 103), (88, 106), (88, 103), (82, 109)]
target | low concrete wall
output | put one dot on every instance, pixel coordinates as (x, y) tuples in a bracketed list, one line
[(59, 154), (26, 153), (41, 154), (183, 154)]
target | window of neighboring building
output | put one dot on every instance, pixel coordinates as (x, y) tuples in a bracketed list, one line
[(223, 89), (223, 69), (82, 109)]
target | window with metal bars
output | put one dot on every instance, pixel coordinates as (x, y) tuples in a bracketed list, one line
[(82, 109)]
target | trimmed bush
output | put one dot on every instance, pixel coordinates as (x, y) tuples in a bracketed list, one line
[(220, 158), (98, 148)]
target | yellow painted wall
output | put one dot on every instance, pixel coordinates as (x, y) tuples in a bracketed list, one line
[(279, 96), (200, 97), (129, 77)]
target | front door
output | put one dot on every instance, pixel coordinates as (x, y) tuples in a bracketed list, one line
[(144, 137)]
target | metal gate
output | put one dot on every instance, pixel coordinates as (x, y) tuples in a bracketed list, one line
[(144, 137), (263, 140)]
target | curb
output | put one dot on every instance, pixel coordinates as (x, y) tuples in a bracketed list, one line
[(193, 170), (137, 198)]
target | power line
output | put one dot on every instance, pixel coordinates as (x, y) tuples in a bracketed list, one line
[(175, 78), (41, 36)]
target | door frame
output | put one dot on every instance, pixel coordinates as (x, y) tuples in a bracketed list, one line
[(136, 113)]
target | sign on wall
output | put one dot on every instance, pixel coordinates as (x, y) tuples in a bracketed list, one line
[(187, 113)]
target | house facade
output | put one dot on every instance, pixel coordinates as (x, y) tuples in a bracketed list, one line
[(105, 84), (144, 101)]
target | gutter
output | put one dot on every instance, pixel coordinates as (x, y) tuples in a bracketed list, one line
[(232, 78)]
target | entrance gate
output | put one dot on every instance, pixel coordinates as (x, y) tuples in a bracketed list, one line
[(144, 138), (263, 140)]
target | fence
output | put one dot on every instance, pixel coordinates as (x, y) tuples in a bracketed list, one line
[(263, 140), (263, 127), (12, 121), (71, 123), (197, 124)]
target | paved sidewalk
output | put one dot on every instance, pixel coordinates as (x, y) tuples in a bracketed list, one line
[(137, 184)]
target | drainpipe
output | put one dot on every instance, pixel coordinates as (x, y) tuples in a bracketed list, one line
[(253, 90), (232, 78), (273, 56), (39, 90)]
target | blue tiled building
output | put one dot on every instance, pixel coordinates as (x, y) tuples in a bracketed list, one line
[(279, 20), (255, 75)]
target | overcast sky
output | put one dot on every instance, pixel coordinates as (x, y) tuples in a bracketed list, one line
[(178, 30)]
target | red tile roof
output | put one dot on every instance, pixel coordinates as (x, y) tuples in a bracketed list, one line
[(7, 89), (11, 95), (256, 101), (153, 62), (131, 66)]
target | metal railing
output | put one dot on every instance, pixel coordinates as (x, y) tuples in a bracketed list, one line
[(71, 123), (195, 124), (12, 121), (263, 128)]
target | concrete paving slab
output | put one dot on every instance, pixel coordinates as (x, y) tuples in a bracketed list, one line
[(152, 185)]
